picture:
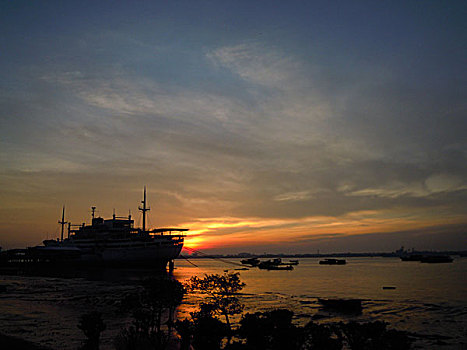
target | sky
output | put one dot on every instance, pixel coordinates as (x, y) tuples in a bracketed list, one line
[(262, 126)]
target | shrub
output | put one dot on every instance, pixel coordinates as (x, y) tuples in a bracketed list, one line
[(92, 326)]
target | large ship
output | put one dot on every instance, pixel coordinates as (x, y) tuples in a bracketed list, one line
[(112, 241)]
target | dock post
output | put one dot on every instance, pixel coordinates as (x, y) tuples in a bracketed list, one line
[(171, 265)]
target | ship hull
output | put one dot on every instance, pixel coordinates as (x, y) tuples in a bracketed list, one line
[(157, 252), (153, 252), (149, 255)]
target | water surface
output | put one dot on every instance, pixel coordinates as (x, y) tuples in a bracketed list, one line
[(430, 300)]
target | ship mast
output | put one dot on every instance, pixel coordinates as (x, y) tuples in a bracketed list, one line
[(63, 222), (144, 209)]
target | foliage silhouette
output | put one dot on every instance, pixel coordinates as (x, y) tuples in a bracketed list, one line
[(208, 331), (274, 330), (156, 302), (270, 330), (321, 337), (373, 336), (92, 326), (221, 291), (186, 330)]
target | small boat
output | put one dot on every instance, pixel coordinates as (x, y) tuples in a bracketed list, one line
[(436, 259), (250, 261), (349, 306), (411, 257), (332, 262), (275, 264), (276, 261), (275, 267), (293, 262), (282, 267)]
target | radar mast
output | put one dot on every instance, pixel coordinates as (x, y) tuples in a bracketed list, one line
[(62, 222), (144, 209)]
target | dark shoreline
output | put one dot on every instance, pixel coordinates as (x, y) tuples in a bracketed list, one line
[(15, 343), (462, 253)]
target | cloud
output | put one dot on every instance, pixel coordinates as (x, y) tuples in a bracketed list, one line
[(293, 196), (433, 184), (445, 183), (258, 64)]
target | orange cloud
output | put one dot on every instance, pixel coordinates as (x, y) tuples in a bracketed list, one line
[(232, 232)]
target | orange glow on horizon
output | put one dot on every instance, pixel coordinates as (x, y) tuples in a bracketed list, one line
[(229, 232), (194, 242)]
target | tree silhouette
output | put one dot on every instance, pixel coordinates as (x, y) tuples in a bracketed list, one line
[(221, 291), (272, 330), (157, 302), (92, 325)]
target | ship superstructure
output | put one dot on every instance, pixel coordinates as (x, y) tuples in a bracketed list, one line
[(113, 241)]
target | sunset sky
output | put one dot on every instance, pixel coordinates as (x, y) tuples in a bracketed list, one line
[(262, 126)]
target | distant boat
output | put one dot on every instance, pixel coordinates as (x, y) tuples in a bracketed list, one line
[(281, 267), (275, 264), (411, 257), (436, 259), (263, 266), (342, 305), (250, 261), (433, 259), (332, 262)]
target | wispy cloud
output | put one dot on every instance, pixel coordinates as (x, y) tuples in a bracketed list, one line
[(433, 184), (293, 196), (259, 64)]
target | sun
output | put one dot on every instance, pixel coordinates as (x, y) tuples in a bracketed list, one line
[(193, 242)]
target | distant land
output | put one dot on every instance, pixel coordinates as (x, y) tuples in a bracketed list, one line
[(397, 253)]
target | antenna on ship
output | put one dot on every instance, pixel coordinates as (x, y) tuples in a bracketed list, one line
[(144, 209), (63, 222), (93, 209)]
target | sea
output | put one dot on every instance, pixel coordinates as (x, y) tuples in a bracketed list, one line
[(427, 300)]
